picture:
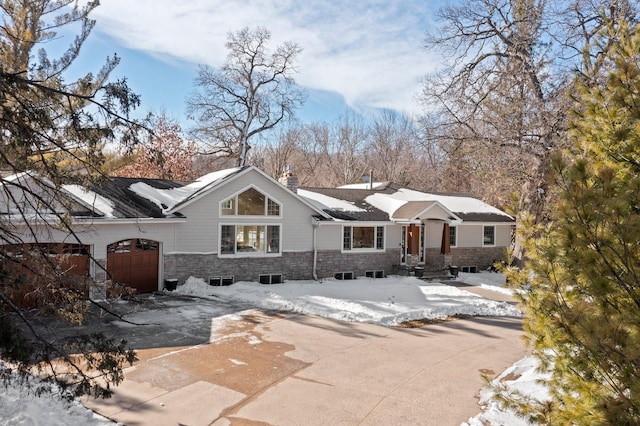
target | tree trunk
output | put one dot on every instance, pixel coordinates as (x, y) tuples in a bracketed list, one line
[(533, 202)]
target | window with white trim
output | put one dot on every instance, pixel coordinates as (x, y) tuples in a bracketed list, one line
[(249, 240), (489, 235), (363, 238), (250, 202), (453, 236), (228, 207)]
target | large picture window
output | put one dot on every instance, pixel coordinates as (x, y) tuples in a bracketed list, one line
[(363, 238), (250, 239), (250, 203)]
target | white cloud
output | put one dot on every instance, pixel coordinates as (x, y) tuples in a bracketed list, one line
[(368, 51)]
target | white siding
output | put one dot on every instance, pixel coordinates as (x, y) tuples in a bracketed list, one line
[(100, 235), (433, 231), (469, 235), (472, 235), (200, 233), (503, 235), (329, 236), (111, 233), (393, 236)]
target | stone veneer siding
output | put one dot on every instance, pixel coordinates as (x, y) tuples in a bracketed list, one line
[(332, 261), (482, 257), (292, 266), (100, 272)]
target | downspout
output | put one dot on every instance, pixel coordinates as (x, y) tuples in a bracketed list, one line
[(314, 273)]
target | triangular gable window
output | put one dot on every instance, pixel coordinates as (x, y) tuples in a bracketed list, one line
[(250, 202)]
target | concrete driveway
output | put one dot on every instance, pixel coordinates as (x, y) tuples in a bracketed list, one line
[(257, 368)]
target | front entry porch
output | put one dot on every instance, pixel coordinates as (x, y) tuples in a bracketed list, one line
[(416, 250)]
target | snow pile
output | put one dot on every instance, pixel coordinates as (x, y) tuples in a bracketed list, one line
[(322, 202), (19, 406), (96, 201), (166, 199), (488, 281), (521, 377), (457, 204), (385, 301)]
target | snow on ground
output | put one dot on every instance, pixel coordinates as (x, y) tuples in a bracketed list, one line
[(20, 406), (521, 377), (487, 280), (386, 301)]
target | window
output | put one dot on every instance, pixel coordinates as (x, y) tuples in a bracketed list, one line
[(249, 239), (346, 238), (227, 243), (379, 237), (273, 239), (489, 235), (273, 208), (228, 207), (123, 246), (250, 203), (453, 236), (146, 245), (363, 238)]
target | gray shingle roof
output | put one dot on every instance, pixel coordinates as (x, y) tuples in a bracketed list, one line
[(128, 204)]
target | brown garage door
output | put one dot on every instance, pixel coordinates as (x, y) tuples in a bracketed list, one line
[(134, 263), (20, 277)]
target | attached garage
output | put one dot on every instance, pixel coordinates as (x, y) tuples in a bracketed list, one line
[(134, 263), (24, 270), (72, 258)]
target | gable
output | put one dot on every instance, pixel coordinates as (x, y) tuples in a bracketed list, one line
[(248, 178), (414, 210)]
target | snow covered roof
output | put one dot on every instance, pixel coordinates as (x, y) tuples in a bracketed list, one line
[(22, 195), (466, 208), (118, 198), (99, 204), (322, 201), (364, 185), (122, 198), (344, 204), (167, 199), (388, 201)]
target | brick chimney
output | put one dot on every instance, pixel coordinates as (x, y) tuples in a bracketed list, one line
[(289, 180)]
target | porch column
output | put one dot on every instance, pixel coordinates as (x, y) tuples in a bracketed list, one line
[(445, 247)]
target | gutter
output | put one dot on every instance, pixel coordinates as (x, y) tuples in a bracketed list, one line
[(314, 272)]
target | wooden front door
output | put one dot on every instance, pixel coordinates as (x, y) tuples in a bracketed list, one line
[(134, 263)]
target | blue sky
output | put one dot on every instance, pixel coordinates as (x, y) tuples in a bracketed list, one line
[(363, 55)]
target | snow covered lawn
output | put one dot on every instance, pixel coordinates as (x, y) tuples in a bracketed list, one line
[(386, 301)]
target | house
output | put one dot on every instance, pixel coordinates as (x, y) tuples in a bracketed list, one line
[(419, 229), (241, 224)]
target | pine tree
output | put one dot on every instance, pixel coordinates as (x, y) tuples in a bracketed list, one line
[(581, 287), (54, 130)]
